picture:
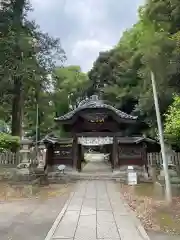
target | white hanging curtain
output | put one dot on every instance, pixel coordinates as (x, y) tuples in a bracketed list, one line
[(95, 141)]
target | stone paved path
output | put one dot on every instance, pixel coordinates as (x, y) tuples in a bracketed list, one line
[(94, 211), (97, 167)]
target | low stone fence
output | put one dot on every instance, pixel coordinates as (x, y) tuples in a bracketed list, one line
[(156, 158), (13, 159), (20, 166), (10, 158)]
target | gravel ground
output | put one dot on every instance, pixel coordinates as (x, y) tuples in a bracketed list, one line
[(31, 218)]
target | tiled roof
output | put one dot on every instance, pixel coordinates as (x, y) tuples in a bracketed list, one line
[(93, 104), (135, 140), (54, 140)]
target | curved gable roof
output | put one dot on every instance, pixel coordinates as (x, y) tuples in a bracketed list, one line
[(95, 104)]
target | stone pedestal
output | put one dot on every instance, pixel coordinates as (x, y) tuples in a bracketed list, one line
[(25, 155), (174, 178), (41, 158)]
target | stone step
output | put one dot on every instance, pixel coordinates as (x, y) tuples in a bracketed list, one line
[(58, 176)]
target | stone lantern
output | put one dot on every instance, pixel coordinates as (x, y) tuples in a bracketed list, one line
[(23, 168), (25, 150), (41, 155)]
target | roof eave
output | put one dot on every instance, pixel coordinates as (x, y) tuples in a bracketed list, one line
[(63, 119)]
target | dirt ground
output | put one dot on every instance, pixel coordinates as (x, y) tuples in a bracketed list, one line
[(159, 220), (28, 212), (161, 236)]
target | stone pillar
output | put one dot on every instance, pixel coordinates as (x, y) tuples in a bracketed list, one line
[(23, 168), (41, 157), (169, 153), (25, 151), (25, 155), (154, 173)]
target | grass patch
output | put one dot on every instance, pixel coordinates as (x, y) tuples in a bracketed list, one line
[(22, 191)]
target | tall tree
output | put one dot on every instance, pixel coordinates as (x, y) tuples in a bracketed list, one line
[(12, 29), (28, 57), (123, 73), (70, 84)]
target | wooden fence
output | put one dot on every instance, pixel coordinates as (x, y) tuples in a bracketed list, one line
[(156, 158)]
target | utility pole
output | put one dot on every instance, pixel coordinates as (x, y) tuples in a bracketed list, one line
[(37, 129), (37, 122), (161, 138)]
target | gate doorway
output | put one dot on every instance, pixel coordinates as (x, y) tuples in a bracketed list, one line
[(95, 154)]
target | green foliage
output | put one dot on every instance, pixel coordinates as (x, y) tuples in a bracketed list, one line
[(8, 142), (152, 44), (121, 75), (70, 85), (172, 122), (28, 57), (3, 127), (46, 114)]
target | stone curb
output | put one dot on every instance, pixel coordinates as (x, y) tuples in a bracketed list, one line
[(58, 219)]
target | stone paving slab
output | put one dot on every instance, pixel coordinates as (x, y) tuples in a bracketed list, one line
[(86, 227), (88, 207), (68, 225), (95, 211)]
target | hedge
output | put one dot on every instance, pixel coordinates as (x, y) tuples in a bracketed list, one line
[(8, 142)]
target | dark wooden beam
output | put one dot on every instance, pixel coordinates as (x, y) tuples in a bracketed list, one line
[(99, 134)]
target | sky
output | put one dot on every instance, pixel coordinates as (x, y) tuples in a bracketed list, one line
[(85, 27)]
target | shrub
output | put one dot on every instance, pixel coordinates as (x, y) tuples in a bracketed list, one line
[(8, 142), (172, 122)]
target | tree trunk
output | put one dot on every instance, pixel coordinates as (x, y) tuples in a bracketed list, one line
[(17, 107), (17, 104)]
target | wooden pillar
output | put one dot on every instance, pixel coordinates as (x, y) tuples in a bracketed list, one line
[(75, 152), (109, 147), (144, 157), (144, 154), (110, 153), (115, 153), (50, 155), (79, 154), (46, 159)]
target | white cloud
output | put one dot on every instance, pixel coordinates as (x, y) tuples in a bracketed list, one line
[(88, 45), (87, 50), (85, 27), (86, 11), (46, 5), (38, 3)]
